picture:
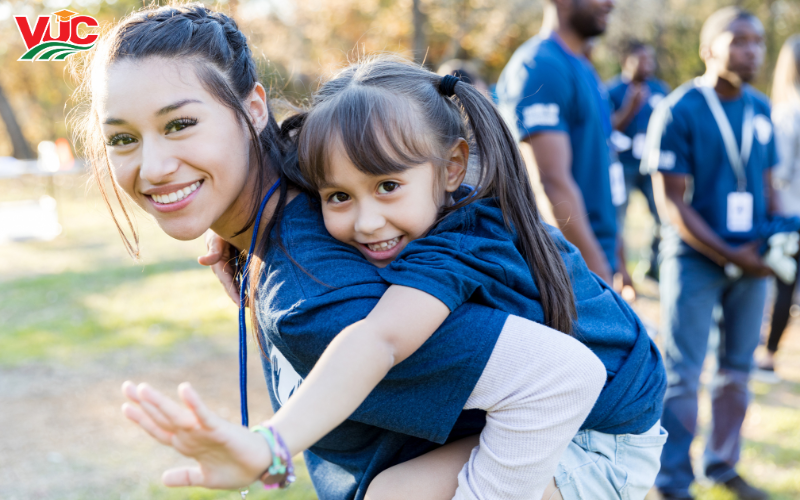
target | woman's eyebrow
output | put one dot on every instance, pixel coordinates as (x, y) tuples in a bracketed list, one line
[(172, 107), (163, 111)]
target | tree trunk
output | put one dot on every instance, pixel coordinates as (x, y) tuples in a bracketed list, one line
[(22, 150), (420, 46)]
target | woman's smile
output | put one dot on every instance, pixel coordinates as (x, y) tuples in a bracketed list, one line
[(174, 197)]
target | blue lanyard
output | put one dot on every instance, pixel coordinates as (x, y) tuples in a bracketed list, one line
[(583, 66), (242, 326)]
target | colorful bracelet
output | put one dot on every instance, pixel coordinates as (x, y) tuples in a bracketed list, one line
[(281, 458)]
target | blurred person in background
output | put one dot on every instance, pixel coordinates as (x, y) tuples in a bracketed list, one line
[(711, 148), (786, 176), (634, 93), (553, 99)]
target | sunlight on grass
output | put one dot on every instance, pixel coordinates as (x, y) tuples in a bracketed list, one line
[(151, 306)]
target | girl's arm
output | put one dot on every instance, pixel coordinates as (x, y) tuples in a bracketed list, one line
[(355, 362)]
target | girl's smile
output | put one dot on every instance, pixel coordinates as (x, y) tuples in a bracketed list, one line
[(386, 250)]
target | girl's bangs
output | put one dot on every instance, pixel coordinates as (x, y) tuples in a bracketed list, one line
[(373, 128)]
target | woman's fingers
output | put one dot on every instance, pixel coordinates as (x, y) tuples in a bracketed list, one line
[(135, 413), (161, 407), (205, 417), (183, 476), (215, 246)]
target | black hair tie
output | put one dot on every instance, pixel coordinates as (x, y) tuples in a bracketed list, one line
[(447, 85)]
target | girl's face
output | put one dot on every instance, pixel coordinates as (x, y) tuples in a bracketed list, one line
[(176, 151), (380, 215)]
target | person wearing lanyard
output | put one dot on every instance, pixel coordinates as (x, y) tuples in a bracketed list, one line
[(711, 148), (552, 98), (634, 93)]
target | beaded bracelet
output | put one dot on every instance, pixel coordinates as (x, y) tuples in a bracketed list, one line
[(281, 458)]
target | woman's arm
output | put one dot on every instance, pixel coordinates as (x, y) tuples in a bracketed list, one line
[(355, 362)]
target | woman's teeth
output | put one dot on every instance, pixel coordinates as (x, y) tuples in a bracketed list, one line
[(166, 199), (384, 245)]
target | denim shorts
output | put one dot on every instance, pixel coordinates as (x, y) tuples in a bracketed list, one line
[(598, 466)]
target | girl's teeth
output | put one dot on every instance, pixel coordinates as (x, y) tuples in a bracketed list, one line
[(383, 246), (178, 195)]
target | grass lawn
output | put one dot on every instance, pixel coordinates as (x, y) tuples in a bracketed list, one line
[(79, 301)]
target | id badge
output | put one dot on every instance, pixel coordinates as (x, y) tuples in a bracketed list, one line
[(638, 146), (617, 176), (740, 212)]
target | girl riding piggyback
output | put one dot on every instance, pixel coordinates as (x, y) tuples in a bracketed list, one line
[(387, 146)]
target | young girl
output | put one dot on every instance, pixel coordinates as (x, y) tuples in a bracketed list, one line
[(179, 122)]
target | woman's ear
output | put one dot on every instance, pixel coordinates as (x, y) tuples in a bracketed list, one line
[(256, 105), (457, 166)]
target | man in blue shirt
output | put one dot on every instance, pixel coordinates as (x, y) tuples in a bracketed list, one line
[(551, 96), (711, 146), (634, 94)]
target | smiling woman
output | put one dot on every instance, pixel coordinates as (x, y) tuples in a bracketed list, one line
[(165, 151)]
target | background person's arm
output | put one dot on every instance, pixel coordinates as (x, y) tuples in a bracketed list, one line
[(552, 153), (669, 192), (635, 97)]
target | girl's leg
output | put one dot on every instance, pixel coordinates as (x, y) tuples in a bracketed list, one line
[(537, 388), (432, 476)]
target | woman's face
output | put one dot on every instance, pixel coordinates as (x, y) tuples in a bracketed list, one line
[(176, 151)]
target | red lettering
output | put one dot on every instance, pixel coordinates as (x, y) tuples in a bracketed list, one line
[(63, 33), (88, 21), (32, 38)]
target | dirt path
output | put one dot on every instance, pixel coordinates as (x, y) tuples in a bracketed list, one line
[(62, 435)]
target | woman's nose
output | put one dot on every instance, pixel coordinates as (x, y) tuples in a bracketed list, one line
[(158, 164)]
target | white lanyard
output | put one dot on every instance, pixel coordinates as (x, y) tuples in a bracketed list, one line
[(738, 159)]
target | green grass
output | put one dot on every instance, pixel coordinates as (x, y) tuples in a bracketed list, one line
[(51, 317)]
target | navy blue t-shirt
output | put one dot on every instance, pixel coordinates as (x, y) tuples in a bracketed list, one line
[(419, 403), (471, 257), (543, 88), (686, 141), (637, 128)]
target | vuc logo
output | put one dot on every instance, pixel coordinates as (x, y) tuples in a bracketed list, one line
[(42, 46)]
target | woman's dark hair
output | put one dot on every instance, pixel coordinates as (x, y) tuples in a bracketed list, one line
[(225, 67), (388, 115)]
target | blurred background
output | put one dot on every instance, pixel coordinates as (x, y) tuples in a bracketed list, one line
[(78, 316)]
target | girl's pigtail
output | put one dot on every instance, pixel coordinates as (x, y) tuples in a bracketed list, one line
[(503, 175)]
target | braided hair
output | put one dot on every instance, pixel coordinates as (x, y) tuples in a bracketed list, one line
[(224, 66)]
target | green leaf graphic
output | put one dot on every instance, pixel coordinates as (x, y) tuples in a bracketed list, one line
[(47, 50)]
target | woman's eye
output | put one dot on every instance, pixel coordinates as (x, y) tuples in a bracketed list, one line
[(387, 187), (120, 140), (179, 124), (338, 197)]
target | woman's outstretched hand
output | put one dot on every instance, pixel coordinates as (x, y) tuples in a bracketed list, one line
[(228, 455), (219, 258)]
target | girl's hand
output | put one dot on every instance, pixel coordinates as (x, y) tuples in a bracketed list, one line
[(229, 455)]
